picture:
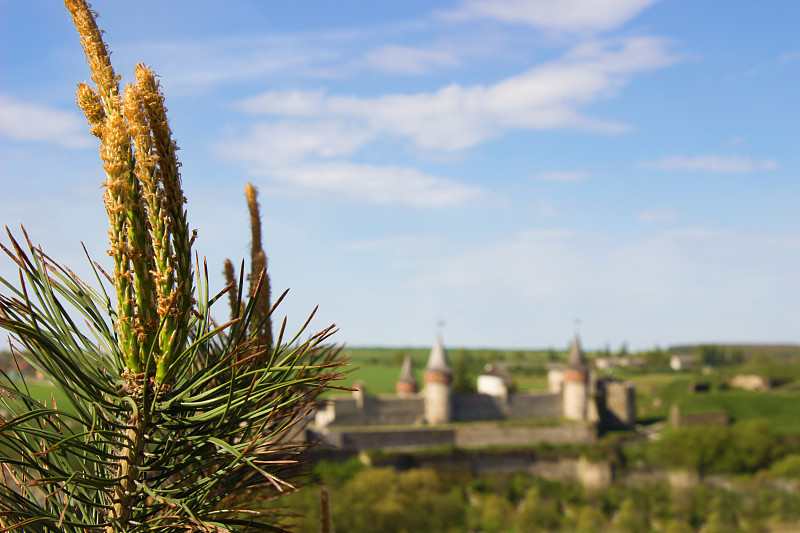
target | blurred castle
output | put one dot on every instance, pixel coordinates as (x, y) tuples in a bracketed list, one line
[(574, 394)]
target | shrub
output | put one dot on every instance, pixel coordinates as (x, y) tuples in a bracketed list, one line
[(176, 423)]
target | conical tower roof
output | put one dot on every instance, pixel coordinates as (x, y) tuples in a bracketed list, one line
[(407, 372), (575, 358), (438, 359)]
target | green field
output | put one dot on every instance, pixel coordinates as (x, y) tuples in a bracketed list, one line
[(779, 409), (42, 390), (656, 392), (379, 368)]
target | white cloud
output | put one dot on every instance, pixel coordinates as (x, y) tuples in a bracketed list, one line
[(655, 290), (657, 214), (734, 141), (544, 208), (789, 57), (693, 234), (563, 176), (27, 121), (306, 156), (564, 15), (728, 164), (456, 117), (399, 245), (313, 131), (192, 66), (379, 184), (279, 143), (545, 234), (410, 60), (266, 153), (293, 102)]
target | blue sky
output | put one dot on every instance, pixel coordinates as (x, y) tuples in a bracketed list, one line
[(504, 166)]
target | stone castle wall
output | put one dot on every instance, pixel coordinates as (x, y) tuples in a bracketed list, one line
[(483, 435), (537, 405), (591, 474), (470, 407), (620, 404), (410, 410), (374, 411), (477, 435)]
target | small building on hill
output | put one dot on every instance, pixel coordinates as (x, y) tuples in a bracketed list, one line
[(682, 362), (495, 381)]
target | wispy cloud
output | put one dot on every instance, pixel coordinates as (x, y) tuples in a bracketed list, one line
[(657, 214), (398, 245), (200, 65), (564, 15), (410, 60), (693, 234), (308, 156), (456, 117), (351, 181), (28, 121), (728, 164), (379, 184), (563, 176), (544, 208), (192, 66), (789, 57), (628, 284), (734, 141), (312, 133), (270, 144), (545, 234)]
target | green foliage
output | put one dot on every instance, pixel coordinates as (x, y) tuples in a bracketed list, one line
[(464, 376), (623, 350), (590, 520), (712, 355), (384, 500), (197, 443), (717, 524), (537, 513), (336, 474), (425, 501), (678, 526), (742, 448), (494, 514), (173, 422), (656, 359), (629, 518), (786, 467)]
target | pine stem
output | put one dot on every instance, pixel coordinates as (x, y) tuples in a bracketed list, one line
[(128, 470)]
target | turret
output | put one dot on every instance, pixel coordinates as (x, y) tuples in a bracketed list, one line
[(407, 383), (576, 381), (438, 386)]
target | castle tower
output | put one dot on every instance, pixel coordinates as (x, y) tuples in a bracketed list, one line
[(407, 384), (438, 386), (576, 381)]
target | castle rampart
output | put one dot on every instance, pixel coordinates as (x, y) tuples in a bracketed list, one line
[(436, 416), (477, 435)]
